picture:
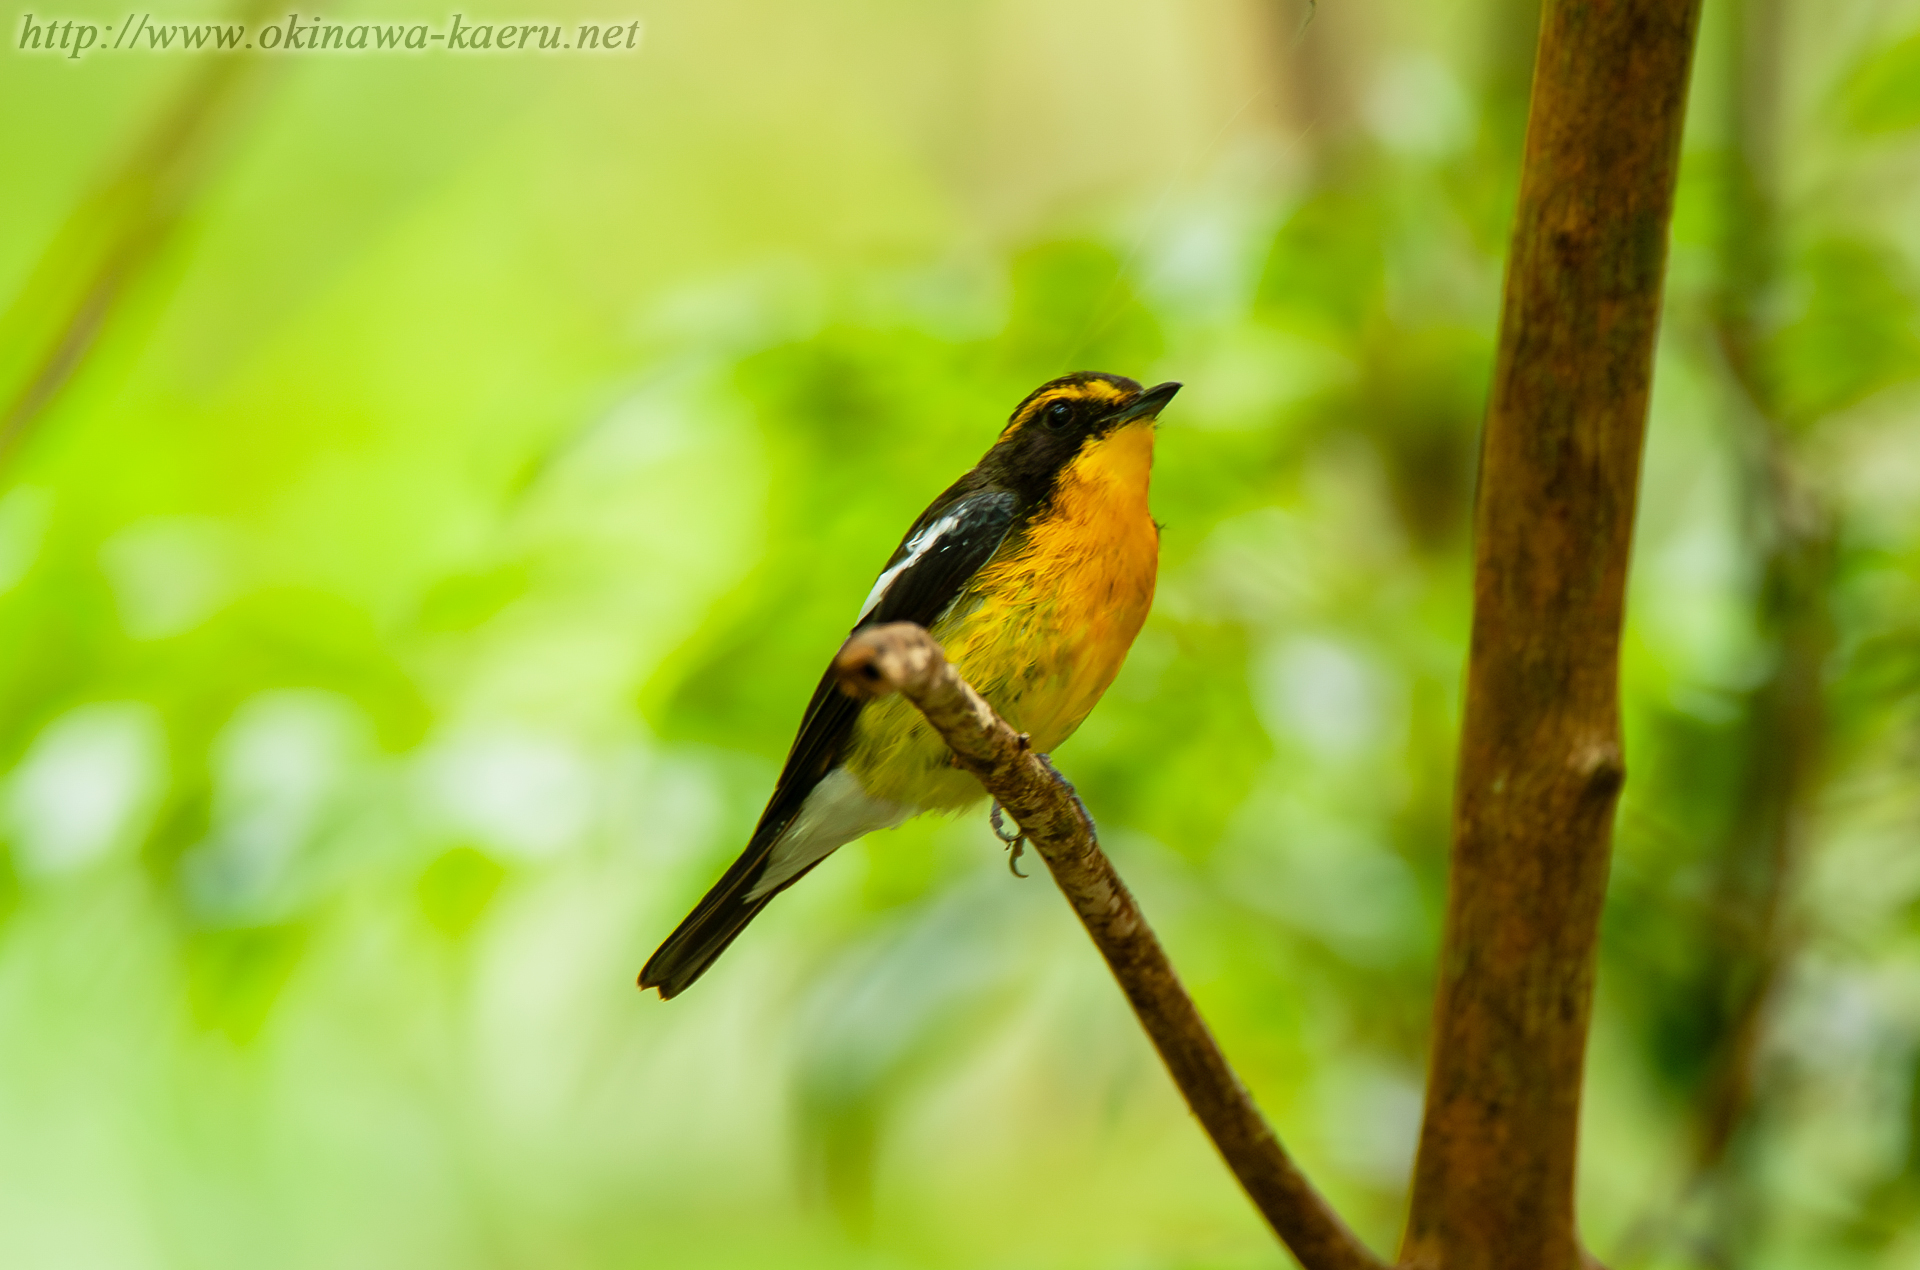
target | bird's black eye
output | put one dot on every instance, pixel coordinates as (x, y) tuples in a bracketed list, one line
[(1056, 416)]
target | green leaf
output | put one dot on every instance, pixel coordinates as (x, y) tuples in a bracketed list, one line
[(1883, 92), (456, 889), (1856, 334)]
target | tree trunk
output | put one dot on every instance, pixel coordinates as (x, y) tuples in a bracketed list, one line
[(1540, 761)]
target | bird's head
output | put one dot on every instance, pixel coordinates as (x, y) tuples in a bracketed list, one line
[(1065, 418)]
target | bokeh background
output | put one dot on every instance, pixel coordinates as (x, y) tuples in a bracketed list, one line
[(433, 484)]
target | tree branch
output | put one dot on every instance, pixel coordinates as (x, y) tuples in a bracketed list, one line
[(1540, 762), (1785, 724), (903, 658), (111, 241)]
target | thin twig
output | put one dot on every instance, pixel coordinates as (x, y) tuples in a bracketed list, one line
[(903, 658), (1786, 715), (113, 239)]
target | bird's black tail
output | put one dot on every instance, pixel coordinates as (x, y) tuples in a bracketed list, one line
[(718, 918), (702, 937), (726, 909)]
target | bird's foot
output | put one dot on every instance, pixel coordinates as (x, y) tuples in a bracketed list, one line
[(1016, 841), (1046, 761)]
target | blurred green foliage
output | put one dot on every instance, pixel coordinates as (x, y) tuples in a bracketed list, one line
[(412, 591)]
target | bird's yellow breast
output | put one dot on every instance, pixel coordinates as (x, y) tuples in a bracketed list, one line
[(1043, 628)]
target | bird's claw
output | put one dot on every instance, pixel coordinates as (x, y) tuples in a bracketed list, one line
[(1016, 841)]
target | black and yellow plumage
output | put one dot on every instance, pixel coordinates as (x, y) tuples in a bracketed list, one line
[(1035, 571)]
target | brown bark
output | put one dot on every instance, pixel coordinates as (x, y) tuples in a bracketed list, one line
[(1540, 761), (904, 658)]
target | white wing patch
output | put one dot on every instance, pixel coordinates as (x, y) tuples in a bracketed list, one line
[(917, 546), (836, 812)]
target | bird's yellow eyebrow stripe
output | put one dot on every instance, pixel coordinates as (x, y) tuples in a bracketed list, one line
[(1092, 390)]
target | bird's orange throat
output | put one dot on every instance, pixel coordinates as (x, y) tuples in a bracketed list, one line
[(1111, 474), (1044, 627), (1084, 585)]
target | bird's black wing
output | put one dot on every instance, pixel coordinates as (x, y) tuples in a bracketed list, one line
[(930, 569), (925, 575)]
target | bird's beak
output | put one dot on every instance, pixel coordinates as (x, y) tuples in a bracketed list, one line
[(1147, 405)]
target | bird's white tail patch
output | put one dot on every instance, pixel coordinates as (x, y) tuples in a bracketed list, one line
[(835, 813)]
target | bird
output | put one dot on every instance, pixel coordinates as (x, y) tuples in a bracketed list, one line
[(1035, 572)]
